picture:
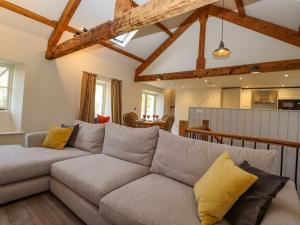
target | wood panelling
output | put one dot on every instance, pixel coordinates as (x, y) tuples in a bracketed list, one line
[(274, 124)]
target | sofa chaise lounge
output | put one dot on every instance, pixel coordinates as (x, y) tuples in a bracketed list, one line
[(143, 176)]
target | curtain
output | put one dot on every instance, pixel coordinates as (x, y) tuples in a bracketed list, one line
[(116, 101), (87, 98)]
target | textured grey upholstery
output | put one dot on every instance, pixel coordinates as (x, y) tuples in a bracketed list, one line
[(18, 163), (186, 160), (132, 144), (94, 176)]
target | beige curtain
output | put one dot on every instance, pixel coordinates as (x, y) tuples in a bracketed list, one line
[(116, 101), (87, 98)]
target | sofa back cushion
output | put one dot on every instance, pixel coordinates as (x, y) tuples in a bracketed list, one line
[(90, 137), (132, 144), (187, 160)]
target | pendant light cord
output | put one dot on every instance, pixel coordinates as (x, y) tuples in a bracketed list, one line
[(222, 23)]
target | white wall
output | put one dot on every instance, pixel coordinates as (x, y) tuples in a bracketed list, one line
[(231, 98), (185, 98), (52, 88)]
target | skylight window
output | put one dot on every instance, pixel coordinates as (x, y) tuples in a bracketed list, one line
[(123, 39)]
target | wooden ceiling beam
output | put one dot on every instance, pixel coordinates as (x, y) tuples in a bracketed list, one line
[(32, 15), (121, 51), (64, 20), (272, 30), (240, 8), (265, 67), (168, 42), (122, 6), (153, 11), (202, 37), (159, 25), (41, 19)]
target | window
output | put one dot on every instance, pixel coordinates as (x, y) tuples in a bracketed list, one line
[(123, 39), (5, 86), (148, 103), (100, 98)]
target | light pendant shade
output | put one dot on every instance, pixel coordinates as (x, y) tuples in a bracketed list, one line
[(221, 51)]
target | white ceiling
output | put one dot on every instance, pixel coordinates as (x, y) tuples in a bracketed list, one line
[(91, 13)]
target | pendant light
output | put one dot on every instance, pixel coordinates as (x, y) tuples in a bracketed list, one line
[(222, 51)]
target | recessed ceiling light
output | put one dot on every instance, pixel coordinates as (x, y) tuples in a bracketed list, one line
[(241, 78), (205, 81), (286, 75), (282, 85), (213, 85), (247, 86)]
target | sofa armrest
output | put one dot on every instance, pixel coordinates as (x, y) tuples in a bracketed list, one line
[(34, 139)]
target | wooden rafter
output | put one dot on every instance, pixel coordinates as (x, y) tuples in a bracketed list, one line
[(169, 41), (64, 20), (265, 67), (122, 6), (240, 7), (202, 35), (121, 51), (275, 31), (32, 15), (159, 25), (150, 13)]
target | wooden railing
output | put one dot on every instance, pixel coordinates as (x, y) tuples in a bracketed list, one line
[(218, 137)]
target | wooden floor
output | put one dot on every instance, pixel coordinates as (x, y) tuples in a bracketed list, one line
[(42, 209)]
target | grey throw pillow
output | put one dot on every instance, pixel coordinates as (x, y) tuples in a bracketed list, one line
[(136, 145), (90, 137), (71, 142)]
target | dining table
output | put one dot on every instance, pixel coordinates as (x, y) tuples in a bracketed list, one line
[(151, 123)]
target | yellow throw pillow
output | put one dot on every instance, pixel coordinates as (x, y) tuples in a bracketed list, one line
[(220, 188), (57, 137)]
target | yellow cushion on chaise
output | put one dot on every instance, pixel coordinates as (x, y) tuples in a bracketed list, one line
[(57, 137), (219, 188)]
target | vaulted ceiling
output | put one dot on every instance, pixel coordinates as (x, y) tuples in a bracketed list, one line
[(91, 13)]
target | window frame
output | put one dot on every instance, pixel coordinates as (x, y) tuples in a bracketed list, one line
[(145, 106), (9, 86), (104, 86)]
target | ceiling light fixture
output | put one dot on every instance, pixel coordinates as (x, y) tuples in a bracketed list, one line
[(222, 52), (159, 77), (255, 69), (241, 78), (205, 81), (286, 75), (282, 85)]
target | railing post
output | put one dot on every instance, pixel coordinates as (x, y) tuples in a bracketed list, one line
[(183, 125), (205, 126)]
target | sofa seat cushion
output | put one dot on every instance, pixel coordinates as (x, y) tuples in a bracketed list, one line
[(285, 208), (151, 200), (92, 177), (18, 163)]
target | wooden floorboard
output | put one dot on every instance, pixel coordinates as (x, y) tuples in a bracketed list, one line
[(41, 209)]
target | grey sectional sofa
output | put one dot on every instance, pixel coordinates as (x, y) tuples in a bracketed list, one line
[(143, 176)]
